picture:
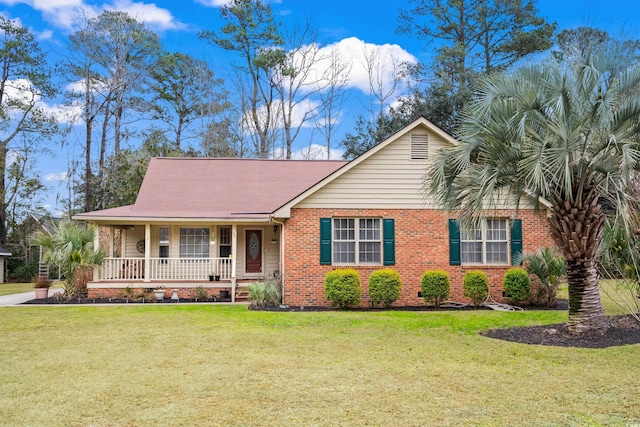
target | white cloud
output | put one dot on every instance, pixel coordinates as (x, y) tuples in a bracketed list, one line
[(63, 114), (214, 3), (155, 16), (61, 12), (43, 35), (354, 52), (21, 91), (57, 177), (220, 3)]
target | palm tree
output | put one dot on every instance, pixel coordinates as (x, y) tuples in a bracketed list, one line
[(566, 132), (71, 247)]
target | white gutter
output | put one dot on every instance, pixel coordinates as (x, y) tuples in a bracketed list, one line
[(162, 220)]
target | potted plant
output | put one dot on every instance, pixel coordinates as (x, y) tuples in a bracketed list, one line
[(159, 294), (41, 285)]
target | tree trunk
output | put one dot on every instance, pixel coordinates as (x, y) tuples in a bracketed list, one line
[(577, 231), (179, 131), (103, 157), (3, 190), (88, 196)]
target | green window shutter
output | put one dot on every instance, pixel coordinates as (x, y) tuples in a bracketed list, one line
[(516, 239), (325, 241), (454, 243), (389, 250)]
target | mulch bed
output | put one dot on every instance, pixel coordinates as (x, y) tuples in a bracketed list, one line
[(85, 300), (623, 330)]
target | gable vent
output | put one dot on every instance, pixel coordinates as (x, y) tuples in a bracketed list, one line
[(419, 146)]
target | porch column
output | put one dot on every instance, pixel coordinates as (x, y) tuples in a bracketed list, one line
[(96, 246), (147, 252), (234, 257), (111, 241)]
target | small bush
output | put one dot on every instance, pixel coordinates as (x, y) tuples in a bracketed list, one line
[(342, 287), (264, 294), (476, 286), (517, 286), (201, 293), (435, 286), (384, 287)]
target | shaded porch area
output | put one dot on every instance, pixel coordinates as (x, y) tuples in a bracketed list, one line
[(216, 256)]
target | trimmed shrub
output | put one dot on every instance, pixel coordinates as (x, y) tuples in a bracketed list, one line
[(476, 286), (384, 287), (435, 286), (264, 294), (517, 286), (342, 287)]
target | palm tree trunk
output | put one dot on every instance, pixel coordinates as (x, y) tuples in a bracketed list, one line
[(577, 231)]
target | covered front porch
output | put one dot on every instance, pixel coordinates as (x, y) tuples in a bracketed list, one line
[(184, 256)]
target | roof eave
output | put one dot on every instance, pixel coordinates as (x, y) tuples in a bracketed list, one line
[(153, 219)]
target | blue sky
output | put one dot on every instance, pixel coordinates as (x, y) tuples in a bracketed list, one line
[(343, 22)]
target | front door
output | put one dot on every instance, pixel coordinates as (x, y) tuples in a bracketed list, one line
[(253, 251)]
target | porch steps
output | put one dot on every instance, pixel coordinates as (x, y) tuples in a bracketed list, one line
[(242, 294)]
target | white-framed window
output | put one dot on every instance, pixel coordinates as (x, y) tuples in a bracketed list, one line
[(194, 242), (488, 243), (225, 242), (357, 241), (163, 246)]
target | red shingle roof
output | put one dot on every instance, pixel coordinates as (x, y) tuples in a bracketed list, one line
[(193, 188)]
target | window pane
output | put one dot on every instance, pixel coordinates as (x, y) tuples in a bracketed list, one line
[(344, 252), (496, 252), (225, 235), (369, 229), (225, 251), (475, 234), (471, 252), (164, 235), (496, 229), (344, 229), (369, 252), (194, 243), (164, 252)]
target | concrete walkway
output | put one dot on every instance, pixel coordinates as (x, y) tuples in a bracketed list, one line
[(16, 299)]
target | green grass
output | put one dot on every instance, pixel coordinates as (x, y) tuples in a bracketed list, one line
[(17, 288), (176, 365)]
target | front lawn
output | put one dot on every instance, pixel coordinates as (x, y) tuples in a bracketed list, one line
[(175, 365), (17, 288)]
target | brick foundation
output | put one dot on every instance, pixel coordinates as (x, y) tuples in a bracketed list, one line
[(421, 244), (134, 292)]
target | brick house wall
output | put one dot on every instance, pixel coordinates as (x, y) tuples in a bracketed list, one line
[(421, 244)]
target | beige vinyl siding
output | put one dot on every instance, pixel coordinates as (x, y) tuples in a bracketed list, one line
[(389, 178), (131, 239), (1, 269)]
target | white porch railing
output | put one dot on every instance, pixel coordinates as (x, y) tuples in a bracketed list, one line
[(118, 269)]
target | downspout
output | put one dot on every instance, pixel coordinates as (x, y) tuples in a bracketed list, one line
[(281, 223)]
